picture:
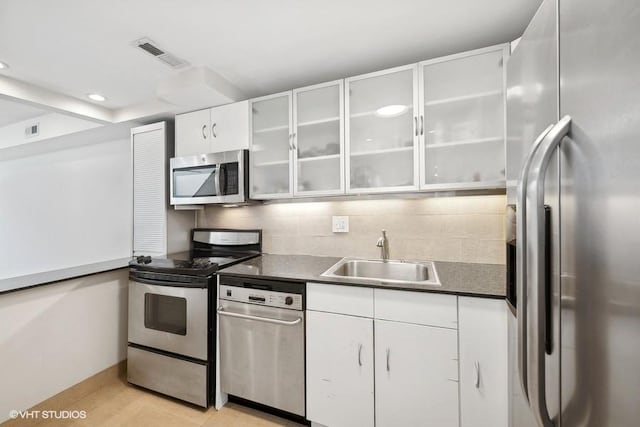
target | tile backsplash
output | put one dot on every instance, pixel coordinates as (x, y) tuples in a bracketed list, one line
[(464, 228)]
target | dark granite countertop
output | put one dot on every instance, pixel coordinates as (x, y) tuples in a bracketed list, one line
[(486, 280)]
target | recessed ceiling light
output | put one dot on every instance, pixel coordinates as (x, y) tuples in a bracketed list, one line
[(96, 97), (3, 65), (391, 110)]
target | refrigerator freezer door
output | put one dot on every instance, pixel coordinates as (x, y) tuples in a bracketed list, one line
[(600, 220), (532, 90), (532, 105)]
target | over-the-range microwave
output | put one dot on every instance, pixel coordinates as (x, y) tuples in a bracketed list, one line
[(210, 178)]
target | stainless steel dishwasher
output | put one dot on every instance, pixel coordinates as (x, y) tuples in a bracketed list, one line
[(262, 342)]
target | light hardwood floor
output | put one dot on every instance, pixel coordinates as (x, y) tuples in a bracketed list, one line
[(109, 401)]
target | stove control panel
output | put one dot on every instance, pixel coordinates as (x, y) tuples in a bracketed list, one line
[(261, 297)]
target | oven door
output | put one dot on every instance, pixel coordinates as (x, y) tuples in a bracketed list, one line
[(168, 318)]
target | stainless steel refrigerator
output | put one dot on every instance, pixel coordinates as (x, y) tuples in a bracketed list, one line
[(573, 182)]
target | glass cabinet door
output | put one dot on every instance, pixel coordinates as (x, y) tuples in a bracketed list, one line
[(318, 139), (463, 114), (382, 131), (271, 146)]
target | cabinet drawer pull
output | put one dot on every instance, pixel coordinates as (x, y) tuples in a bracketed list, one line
[(421, 125), (477, 369), (204, 133), (213, 130), (388, 357), (360, 355), (415, 120)]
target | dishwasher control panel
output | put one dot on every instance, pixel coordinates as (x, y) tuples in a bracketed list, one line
[(268, 298)]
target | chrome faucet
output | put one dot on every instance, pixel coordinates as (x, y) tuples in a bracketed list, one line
[(383, 244)]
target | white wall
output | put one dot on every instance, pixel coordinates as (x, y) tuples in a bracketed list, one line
[(51, 126), (65, 207), (54, 336)]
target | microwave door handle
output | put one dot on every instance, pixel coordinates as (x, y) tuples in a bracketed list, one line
[(521, 295), (217, 178), (536, 271)]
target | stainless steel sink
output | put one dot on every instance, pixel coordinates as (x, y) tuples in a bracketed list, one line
[(409, 272)]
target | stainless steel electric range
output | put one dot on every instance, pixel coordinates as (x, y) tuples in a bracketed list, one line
[(171, 347)]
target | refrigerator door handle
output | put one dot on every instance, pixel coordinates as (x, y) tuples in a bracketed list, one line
[(521, 239), (535, 260)]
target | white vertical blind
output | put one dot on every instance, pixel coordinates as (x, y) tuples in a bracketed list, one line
[(149, 192)]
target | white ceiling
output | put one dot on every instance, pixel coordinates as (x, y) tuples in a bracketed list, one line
[(13, 112), (262, 46)]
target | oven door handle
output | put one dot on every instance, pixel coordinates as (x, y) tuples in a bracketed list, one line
[(222, 312), (167, 283)]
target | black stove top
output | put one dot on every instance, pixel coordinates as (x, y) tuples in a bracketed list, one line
[(197, 266), (212, 250)]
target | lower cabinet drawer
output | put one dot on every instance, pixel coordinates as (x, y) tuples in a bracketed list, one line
[(340, 299), (167, 375), (422, 308)]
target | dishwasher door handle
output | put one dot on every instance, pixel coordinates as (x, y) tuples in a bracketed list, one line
[(222, 312)]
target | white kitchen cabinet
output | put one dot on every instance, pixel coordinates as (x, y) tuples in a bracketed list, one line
[(415, 366), (416, 375), (318, 139), (229, 126), (462, 120), (213, 130), (271, 145), (381, 112), (483, 362), (297, 140), (192, 133), (340, 384), (435, 125)]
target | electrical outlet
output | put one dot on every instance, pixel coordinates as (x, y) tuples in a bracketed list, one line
[(340, 224)]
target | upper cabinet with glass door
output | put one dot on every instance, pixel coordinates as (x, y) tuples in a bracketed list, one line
[(318, 139), (462, 120), (381, 131), (271, 147)]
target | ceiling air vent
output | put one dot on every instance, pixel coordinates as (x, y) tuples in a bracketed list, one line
[(31, 131), (152, 49)]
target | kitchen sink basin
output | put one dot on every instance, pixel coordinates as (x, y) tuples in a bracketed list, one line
[(409, 272)]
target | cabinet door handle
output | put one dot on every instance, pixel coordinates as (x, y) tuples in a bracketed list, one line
[(360, 355), (293, 141), (421, 125), (213, 130), (204, 133), (415, 122), (477, 370), (388, 357)]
